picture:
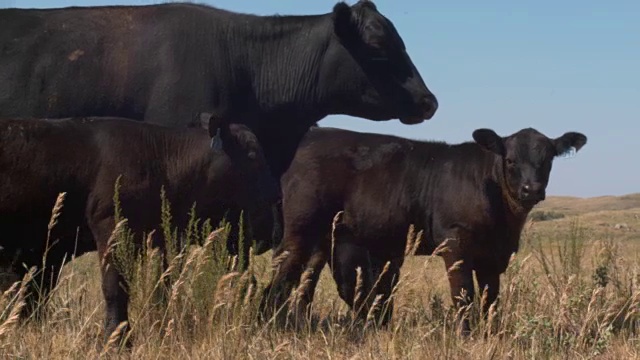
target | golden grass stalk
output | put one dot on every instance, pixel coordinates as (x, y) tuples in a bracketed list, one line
[(18, 304), (114, 338)]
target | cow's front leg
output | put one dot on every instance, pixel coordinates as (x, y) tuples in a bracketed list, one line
[(114, 287), (489, 284), (460, 275), (116, 304)]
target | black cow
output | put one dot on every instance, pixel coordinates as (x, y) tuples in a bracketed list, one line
[(165, 63), (472, 197), (37, 163)]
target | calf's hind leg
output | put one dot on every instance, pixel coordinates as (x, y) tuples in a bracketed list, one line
[(383, 283), (316, 262), (289, 262), (347, 256)]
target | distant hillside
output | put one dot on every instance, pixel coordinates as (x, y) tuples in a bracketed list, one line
[(603, 217), (574, 205)]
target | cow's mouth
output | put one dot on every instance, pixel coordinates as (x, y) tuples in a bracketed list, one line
[(529, 203), (412, 120)]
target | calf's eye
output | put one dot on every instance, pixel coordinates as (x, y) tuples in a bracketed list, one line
[(251, 155)]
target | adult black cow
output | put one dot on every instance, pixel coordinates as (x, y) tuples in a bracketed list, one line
[(40, 158), (165, 63), (472, 198)]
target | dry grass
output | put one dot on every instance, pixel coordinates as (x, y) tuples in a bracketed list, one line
[(573, 291)]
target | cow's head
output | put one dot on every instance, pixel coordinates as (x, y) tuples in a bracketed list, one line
[(526, 158), (375, 74)]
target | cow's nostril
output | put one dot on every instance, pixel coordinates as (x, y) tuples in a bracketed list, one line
[(429, 106)]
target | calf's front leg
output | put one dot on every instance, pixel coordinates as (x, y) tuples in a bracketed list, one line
[(114, 287), (460, 275), (488, 281)]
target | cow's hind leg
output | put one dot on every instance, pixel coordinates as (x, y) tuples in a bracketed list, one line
[(380, 301), (352, 271), (289, 262), (364, 280), (116, 301), (311, 276)]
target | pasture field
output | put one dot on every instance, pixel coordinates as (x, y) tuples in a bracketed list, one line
[(572, 292)]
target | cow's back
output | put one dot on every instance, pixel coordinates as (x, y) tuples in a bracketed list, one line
[(129, 53), (41, 155), (335, 159), (83, 157), (362, 174)]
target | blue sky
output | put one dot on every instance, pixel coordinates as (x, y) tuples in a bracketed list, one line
[(557, 66)]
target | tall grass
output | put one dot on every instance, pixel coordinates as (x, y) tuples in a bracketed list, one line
[(570, 296)]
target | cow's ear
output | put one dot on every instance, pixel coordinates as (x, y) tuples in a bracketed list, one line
[(354, 27), (214, 125), (239, 140), (368, 4), (210, 122), (203, 119), (489, 140), (569, 140), (344, 23)]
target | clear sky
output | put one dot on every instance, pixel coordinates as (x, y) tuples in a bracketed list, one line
[(557, 66)]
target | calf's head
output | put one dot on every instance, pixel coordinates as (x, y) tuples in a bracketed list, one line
[(526, 158), (375, 68), (242, 147)]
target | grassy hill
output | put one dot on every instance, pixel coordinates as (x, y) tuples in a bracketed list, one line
[(575, 205), (604, 217)]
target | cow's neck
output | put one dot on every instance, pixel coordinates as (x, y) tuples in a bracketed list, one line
[(515, 212), (280, 142), (181, 150), (283, 58)]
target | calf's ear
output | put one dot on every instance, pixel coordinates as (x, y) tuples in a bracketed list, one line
[(489, 141), (240, 140), (200, 119), (569, 140), (214, 125)]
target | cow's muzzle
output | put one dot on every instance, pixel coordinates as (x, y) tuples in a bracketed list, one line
[(428, 106)]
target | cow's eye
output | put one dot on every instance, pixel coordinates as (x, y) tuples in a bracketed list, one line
[(510, 162), (251, 155)]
